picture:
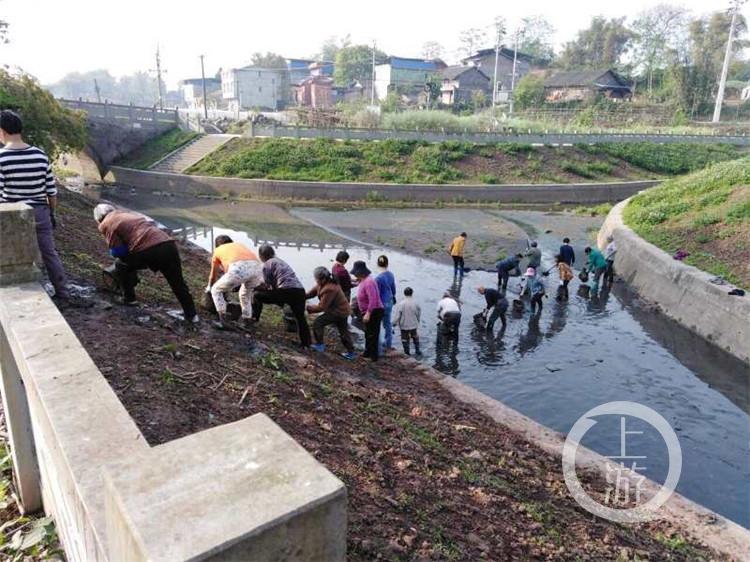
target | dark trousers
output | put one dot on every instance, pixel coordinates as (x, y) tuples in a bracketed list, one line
[(502, 279), (46, 242), (163, 258), (498, 311), (609, 273), (536, 299), (342, 325), (406, 336), (372, 334), (562, 291), (458, 265), (597, 277), (295, 298), (449, 323)]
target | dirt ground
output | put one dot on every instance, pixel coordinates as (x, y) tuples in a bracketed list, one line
[(428, 477)]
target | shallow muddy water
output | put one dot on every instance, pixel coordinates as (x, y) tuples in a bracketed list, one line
[(576, 356)]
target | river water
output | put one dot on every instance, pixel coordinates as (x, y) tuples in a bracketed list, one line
[(575, 356)]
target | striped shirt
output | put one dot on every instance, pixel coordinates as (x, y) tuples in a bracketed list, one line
[(26, 176)]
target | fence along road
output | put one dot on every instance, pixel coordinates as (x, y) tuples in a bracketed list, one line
[(549, 138)]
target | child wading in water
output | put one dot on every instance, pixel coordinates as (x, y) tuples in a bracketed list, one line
[(406, 315)]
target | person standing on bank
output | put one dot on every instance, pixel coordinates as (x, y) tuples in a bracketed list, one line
[(334, 310), (456, 250), (281, 287), (368, 301), (240, 268), (567, 254), (137, 243), (341, 274), (26, 177), (387, 288)]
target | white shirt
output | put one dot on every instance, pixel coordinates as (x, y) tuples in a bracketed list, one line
[(447, 305)]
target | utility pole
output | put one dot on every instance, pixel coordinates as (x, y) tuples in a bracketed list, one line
[(727, 59), (158, 77), (499, 26), (372, 86), (98, 91), (513, 75), (205, 99)]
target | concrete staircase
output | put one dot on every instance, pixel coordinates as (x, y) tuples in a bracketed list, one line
[(181, 159)]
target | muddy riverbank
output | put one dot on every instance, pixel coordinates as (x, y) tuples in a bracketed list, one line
[(429, 478)]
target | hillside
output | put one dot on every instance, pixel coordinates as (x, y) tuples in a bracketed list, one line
[(453, 162), (706, 213)]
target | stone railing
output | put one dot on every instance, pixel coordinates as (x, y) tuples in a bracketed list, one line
[(121, 113), (242, 491)]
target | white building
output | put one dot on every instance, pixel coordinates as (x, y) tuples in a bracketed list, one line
[(253, 87)]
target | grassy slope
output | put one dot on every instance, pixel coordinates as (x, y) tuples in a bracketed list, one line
[(452, 162), (157, 148), (706, 213)]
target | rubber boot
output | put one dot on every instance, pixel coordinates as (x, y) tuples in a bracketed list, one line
[(417, 353), (406, 347)]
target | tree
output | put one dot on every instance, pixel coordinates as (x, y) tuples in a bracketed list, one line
[(659, 32), (139, 88), (47, 124), (694, 73), (529, 92), (269, 60), (432, 50), (472, 39), (355, 63), (601, 45), (331, 46), (536, 39)]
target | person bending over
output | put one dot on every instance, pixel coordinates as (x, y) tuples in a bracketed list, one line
[(240, 268), (137, 243), (496, 307), (505, 267), (449, 314), (333, 307), (281, 287)]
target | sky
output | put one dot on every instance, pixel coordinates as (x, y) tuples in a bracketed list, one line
[(49, 38)]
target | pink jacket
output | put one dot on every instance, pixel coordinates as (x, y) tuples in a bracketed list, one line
[(368, 295)]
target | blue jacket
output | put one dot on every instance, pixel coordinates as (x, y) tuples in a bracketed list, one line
[(508, 264), (567, 254), (387, 287)]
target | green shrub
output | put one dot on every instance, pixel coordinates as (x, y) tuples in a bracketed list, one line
[(489, 179), (576, 168), (513, 148), (670, 158)]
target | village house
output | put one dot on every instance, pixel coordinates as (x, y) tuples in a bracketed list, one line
[(484, 60), (463, 85), (299, 69), (408, 77), (191, 90), (253, 87), (584, 85), (315, 91)]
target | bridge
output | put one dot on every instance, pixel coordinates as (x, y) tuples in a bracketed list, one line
[(115, 130)]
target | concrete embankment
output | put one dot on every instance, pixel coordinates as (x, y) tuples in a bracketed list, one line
[(589, 193), (683, 292)]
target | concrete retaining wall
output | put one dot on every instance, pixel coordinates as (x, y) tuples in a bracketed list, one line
[(70, 434), (275, 189), (682, 291)]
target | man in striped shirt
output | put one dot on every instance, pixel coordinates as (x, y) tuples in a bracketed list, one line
[(26, 177)]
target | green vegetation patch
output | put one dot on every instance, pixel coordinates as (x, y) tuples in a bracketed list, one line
[(676, 158), (706, 213), (157, 148)]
